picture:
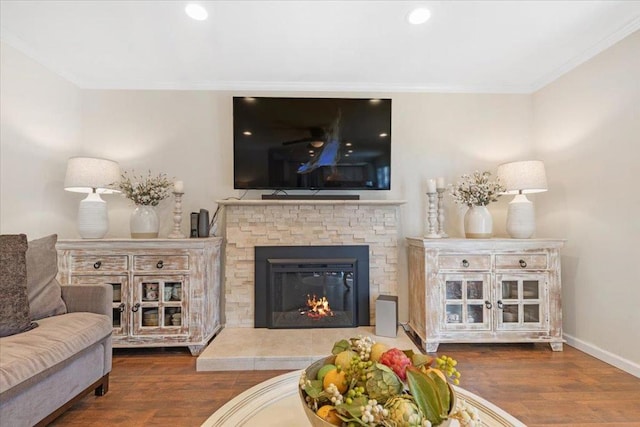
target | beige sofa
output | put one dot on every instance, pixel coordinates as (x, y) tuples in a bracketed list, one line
[(44, 370)]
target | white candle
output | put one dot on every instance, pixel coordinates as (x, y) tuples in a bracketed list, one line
[(178, 187), (431, 186), (440, 183)]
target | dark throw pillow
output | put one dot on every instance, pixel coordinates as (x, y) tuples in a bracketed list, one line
[(14, 304), (43, 289)]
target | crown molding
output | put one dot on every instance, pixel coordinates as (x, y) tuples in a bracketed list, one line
[(20, 45), (258, 86), (602, 45)]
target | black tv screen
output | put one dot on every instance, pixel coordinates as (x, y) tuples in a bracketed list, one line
[(311, 143)]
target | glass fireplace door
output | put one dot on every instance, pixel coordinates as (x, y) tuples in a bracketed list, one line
[(312, 294)]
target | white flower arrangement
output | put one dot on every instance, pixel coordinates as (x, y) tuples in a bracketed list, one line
[(147, 191), (476, 189)]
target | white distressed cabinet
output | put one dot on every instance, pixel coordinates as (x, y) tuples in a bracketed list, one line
[(166, 291), (485, 290)]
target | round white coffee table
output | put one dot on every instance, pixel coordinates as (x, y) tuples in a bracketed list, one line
[(276, 403)]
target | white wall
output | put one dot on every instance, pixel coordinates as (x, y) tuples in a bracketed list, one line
[(40, 128), (587, 130)]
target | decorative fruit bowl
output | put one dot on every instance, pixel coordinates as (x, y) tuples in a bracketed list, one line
[(364, 383)]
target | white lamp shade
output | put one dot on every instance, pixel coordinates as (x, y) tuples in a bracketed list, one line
[(523, 177), (86, 174)]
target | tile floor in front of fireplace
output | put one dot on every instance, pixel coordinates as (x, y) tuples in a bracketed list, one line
[(265, 349)]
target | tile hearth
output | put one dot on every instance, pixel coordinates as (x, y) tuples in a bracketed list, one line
[(263, 349)]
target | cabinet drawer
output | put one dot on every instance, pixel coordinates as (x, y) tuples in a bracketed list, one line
[(160, 262), (464, 262), (99, 280), (98, 263), (521, 262)]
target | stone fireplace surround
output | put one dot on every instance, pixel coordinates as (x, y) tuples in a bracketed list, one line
[(250, 223)]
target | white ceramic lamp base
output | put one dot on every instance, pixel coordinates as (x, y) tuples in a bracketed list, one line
[(93, 221), (521, 223)]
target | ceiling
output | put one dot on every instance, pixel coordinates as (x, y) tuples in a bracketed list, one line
[(466, 46)]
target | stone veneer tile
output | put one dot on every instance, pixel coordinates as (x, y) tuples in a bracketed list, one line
[(248, 226)]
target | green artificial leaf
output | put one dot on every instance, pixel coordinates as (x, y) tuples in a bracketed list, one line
[(424, 391), (354, 409), (313, 389), (419, 359), (409, 353), (443, 391), (340, 346), (351, 421)]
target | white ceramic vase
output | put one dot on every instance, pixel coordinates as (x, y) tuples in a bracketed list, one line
[(144, 222), (478, 223)]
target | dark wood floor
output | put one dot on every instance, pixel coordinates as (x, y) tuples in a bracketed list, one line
[(160, 387)]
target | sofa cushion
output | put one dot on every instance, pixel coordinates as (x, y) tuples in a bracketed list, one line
[(43, 289), (58, 339), (14, 304)]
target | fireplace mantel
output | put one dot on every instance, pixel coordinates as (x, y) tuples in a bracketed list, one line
[(246, 224)]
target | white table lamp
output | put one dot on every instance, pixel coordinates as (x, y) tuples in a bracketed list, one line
[(93, 176), (520, 178)]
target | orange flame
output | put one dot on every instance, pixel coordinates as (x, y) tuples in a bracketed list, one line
[(319, 308)]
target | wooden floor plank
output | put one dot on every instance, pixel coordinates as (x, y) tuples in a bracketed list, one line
[(160, 387)]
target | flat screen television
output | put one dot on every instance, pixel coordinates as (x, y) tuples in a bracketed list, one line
[(311, 143)]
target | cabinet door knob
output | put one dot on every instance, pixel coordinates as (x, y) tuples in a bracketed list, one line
[(135, 307), (488, 304), (121, 307), (97, 264), (500, 304), (465, 263), (160, 264), (522, 263)]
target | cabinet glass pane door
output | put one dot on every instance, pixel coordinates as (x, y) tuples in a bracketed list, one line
[(160, 305), (119, 306), (520, 303), (119, 283), (465, 297)]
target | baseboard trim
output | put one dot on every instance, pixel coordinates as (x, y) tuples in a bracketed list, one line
[(605, 356)]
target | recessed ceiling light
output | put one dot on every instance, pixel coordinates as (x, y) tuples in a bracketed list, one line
[(348, 144), (195, 11), (383, 134), (247, 133), (419, 16)]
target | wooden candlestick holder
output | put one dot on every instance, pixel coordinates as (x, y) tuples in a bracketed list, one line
[(177, 217), (441, 232), (432, 218)]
